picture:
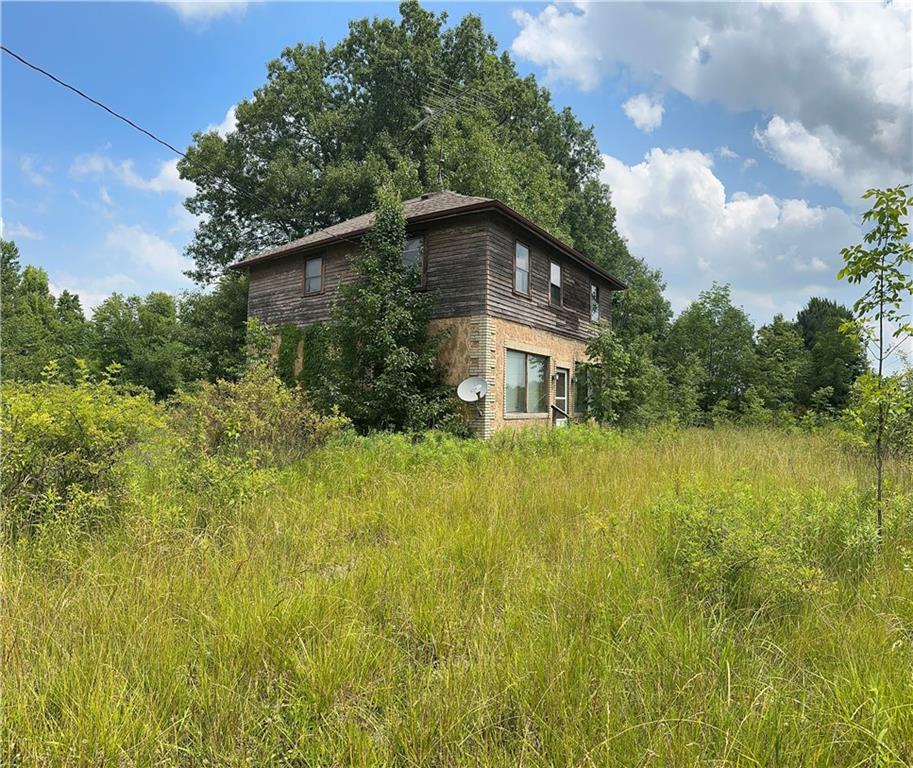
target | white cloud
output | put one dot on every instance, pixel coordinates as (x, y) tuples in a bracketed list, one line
[(840, 73), (646, 113), (105, 197), (36, 177), (228, 124), (728, 153), (166, 179), (676, 214), (146, 249), (19, 231), (203, 11), (825, 158), (748, 162)]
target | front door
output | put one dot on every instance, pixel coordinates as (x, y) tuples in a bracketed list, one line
[(562, 377)]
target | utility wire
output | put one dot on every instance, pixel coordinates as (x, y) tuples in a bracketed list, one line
[(289, 230)]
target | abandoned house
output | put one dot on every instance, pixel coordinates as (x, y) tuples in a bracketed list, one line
[(517, 304)]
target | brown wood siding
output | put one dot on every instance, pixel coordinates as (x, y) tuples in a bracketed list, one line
[(455, 274), (573, 317)]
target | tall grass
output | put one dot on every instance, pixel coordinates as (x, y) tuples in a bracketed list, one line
[(457, 603)]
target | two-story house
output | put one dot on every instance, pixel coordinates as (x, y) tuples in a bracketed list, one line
[(517, 304)]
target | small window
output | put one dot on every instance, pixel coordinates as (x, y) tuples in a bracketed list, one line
[(594, 303), (313, 275), (521, 268), (414, 252), (555, 284), (525, 383)]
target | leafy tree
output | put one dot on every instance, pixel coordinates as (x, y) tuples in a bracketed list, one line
[(835, 359), (881, 264), (143, 336), (330, 123), (385, 370), (30, 324), (782, 364), (719, 336), (213, 326), (72, 333)]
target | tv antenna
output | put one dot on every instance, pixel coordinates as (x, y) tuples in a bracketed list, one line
[(448, 97), (473, 390)]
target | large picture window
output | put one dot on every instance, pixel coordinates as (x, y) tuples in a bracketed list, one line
[(521, 268), (313, 275), (525, 383)]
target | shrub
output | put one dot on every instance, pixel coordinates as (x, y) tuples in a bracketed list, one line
[(231, 435), (65, 450), (256, 418), (734, 549)]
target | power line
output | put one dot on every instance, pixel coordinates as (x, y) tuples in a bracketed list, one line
[(217, 177)]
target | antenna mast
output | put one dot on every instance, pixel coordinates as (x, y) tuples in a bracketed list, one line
[(448, 97)]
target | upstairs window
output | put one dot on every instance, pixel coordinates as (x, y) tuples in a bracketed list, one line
[(521, 269), (594, 303), (555, 284), (413, 254), (525, 382), (313, 275)]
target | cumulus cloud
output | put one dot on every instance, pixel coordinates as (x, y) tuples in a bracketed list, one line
[(228, 124), (146, 250), (203, 11), (167, 179), (676, 213), (728, 153), (645, 112), (839, 72)]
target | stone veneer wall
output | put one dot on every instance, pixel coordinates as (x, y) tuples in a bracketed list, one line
[(475, 346)]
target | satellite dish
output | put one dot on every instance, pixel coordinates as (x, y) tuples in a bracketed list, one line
[(472, 390)]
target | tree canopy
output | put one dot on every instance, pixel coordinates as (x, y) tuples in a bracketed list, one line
[(330, 124)]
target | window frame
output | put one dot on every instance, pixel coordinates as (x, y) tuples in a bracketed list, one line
[(304, 275), (423, 259), (560, 286), (595, 294), (528, 270), (546, 381)]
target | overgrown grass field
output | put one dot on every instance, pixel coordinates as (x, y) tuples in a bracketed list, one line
[(668, 598)]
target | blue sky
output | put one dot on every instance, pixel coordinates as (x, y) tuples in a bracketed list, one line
[(737, 139)]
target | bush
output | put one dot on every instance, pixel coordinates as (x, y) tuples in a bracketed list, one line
[(65, 450), (734, 549), (256, 418), (229, 435)]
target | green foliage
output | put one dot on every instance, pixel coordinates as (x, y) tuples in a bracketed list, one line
[(65, 451), (330, 123), (835, 359), (229, 435), (143, 336), (256, 418), (719, 336), (782, 364), (212, 325), (290, 336), (385, 373), (862, 413), (36, 329), (888, 299), (738, 550)]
